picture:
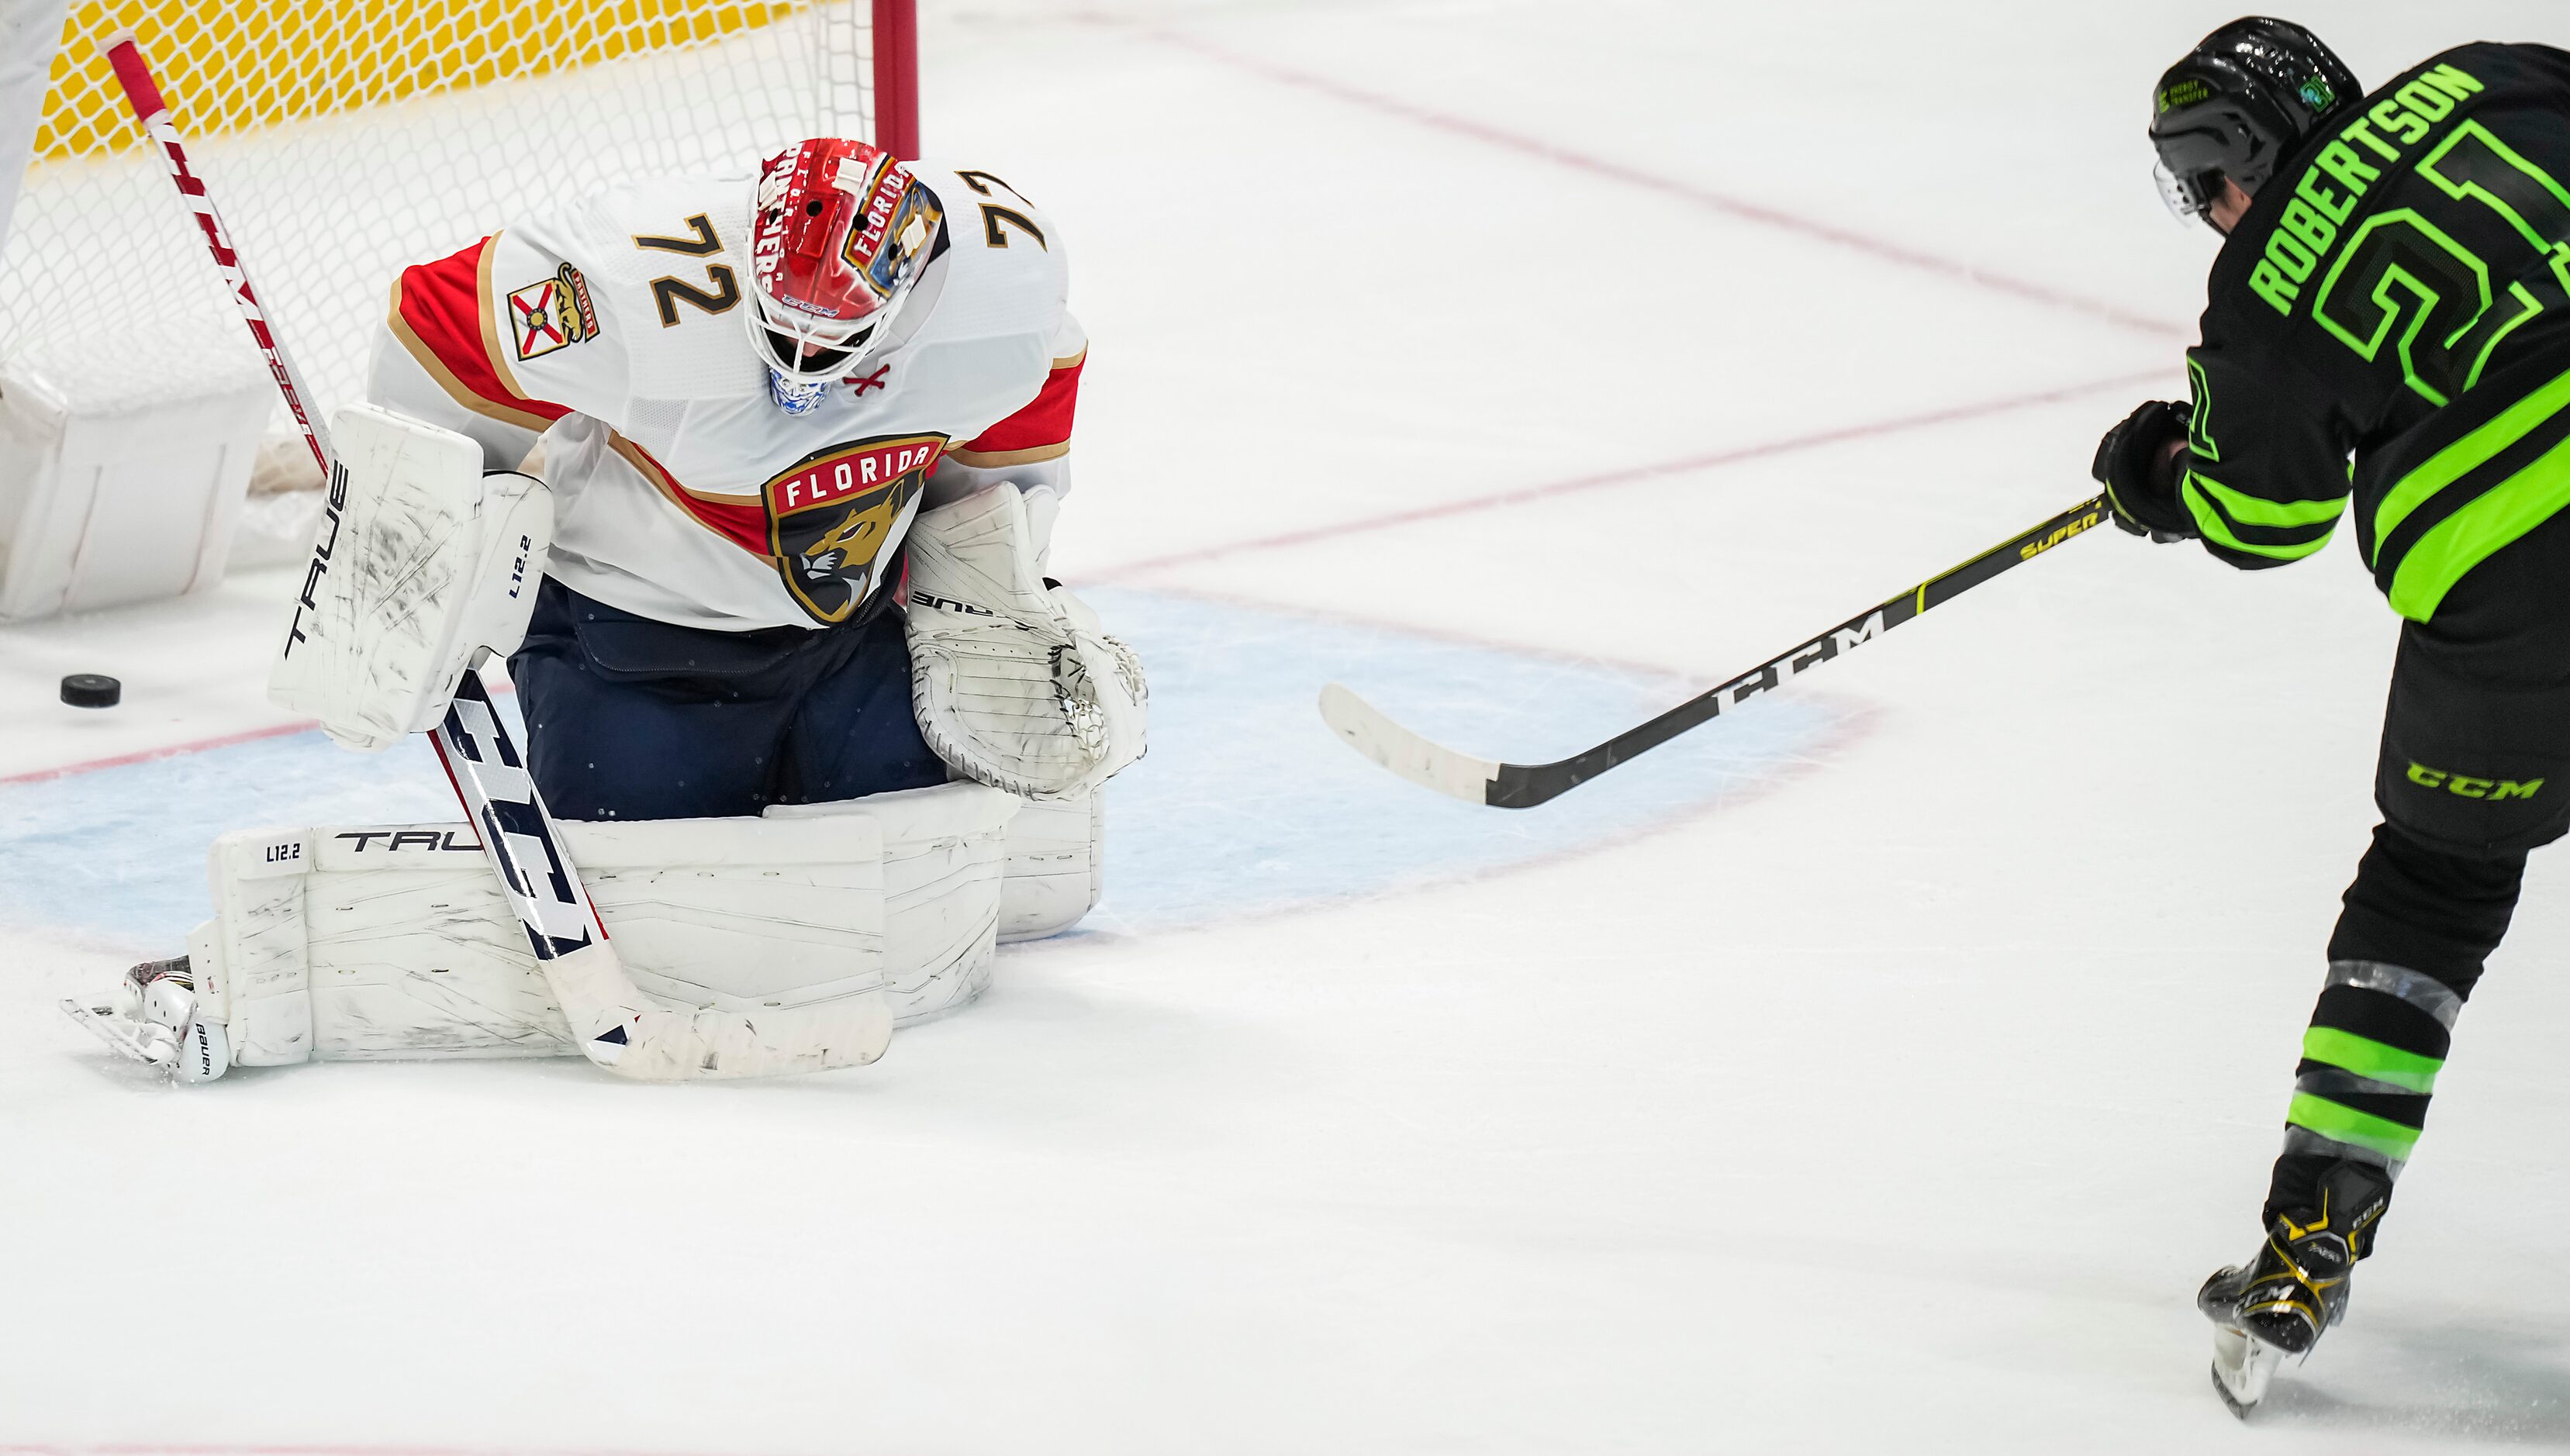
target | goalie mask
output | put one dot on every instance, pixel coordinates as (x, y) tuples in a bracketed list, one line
[(839, 233)]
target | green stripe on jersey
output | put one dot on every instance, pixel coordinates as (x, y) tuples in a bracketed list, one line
[(2464, 455), (2214, 505), (2490, 520)]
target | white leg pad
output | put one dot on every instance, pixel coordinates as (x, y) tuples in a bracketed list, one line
[(393, 942), (253, 968), (944, 849), (413, 953), (1057, 865)]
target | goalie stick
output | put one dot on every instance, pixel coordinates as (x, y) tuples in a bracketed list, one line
[(1522, 786), (613, 1021)]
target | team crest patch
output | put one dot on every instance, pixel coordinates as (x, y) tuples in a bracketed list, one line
[(554, 315), (831, 518)]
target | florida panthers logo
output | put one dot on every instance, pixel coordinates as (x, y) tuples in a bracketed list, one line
[(834, 517)]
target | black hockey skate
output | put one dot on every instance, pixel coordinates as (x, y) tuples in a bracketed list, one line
[(2280, 1303)]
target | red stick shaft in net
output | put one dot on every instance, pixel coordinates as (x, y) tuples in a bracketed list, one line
[(142, 93)]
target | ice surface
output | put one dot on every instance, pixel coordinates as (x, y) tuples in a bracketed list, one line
[(1879, 1073), (1240, 808)]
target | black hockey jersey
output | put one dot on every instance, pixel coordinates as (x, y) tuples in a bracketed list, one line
[(2399, 292)]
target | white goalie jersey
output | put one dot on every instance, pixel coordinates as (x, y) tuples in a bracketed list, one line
[(611, 332)]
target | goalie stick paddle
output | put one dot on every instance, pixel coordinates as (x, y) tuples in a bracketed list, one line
[(1522, 786), (613, 1021)]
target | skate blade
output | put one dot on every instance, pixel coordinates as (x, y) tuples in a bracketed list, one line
[(115, 1030), (2243, 1368)]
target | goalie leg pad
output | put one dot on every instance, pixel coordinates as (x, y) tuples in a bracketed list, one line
[(393, 942), (945, 849), (420, 563), (1057, 867)]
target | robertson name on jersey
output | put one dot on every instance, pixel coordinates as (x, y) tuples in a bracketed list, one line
[(612, 331), (2399, 291)]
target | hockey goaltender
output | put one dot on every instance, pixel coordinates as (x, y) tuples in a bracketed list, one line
[(751, 479)]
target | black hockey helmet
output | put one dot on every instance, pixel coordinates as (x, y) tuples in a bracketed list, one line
[(2243, 99)]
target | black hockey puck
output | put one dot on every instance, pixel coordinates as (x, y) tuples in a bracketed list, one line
[(92, 690)]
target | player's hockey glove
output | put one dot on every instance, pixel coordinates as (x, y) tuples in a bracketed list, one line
[(2141, 477)]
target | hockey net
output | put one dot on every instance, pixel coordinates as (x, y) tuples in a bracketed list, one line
[(346, 139)]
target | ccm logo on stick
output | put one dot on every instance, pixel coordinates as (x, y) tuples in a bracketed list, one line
[(1819, 649)]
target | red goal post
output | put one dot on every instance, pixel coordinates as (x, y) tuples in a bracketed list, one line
[(896, 72)]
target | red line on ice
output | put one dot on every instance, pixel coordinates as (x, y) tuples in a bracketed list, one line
[(146, 755), (148, 1448), (1527, 495), (171, 750), (1723, 202)]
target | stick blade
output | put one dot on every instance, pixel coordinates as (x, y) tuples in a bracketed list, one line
[(1429, 765)]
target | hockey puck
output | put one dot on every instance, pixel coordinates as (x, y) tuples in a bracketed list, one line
[(92, 690)]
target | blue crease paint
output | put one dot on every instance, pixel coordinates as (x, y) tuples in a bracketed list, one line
[(1247, 804)]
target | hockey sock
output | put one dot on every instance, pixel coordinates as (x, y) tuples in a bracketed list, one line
[(2408, 950), (2426, 909)]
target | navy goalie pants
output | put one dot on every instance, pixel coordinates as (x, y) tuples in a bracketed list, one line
[(631, 718)]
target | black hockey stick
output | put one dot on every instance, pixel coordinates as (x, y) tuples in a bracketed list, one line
[(1522, 786)]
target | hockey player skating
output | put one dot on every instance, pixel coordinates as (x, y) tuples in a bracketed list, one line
[(2394, 286), (753, 480)]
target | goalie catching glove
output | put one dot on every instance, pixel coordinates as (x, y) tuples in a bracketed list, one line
[(1013, 683)]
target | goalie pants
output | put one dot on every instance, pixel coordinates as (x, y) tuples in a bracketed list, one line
[(631, 718), (2475, 772)]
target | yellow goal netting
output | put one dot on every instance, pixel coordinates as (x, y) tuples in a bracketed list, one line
[(233, 62), (345, 138)]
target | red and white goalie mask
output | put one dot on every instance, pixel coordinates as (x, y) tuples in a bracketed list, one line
[(839, 233)]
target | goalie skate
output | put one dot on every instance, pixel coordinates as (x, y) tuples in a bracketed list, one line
[(153, 1021)]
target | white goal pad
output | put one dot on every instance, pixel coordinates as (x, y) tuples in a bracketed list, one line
[(393, 942)]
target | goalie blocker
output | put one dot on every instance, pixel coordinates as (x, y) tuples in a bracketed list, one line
[(413, 577)]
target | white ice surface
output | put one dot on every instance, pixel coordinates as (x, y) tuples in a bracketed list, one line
[(1885, 1082)]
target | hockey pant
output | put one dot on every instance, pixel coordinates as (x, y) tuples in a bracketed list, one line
[(631, 718)]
